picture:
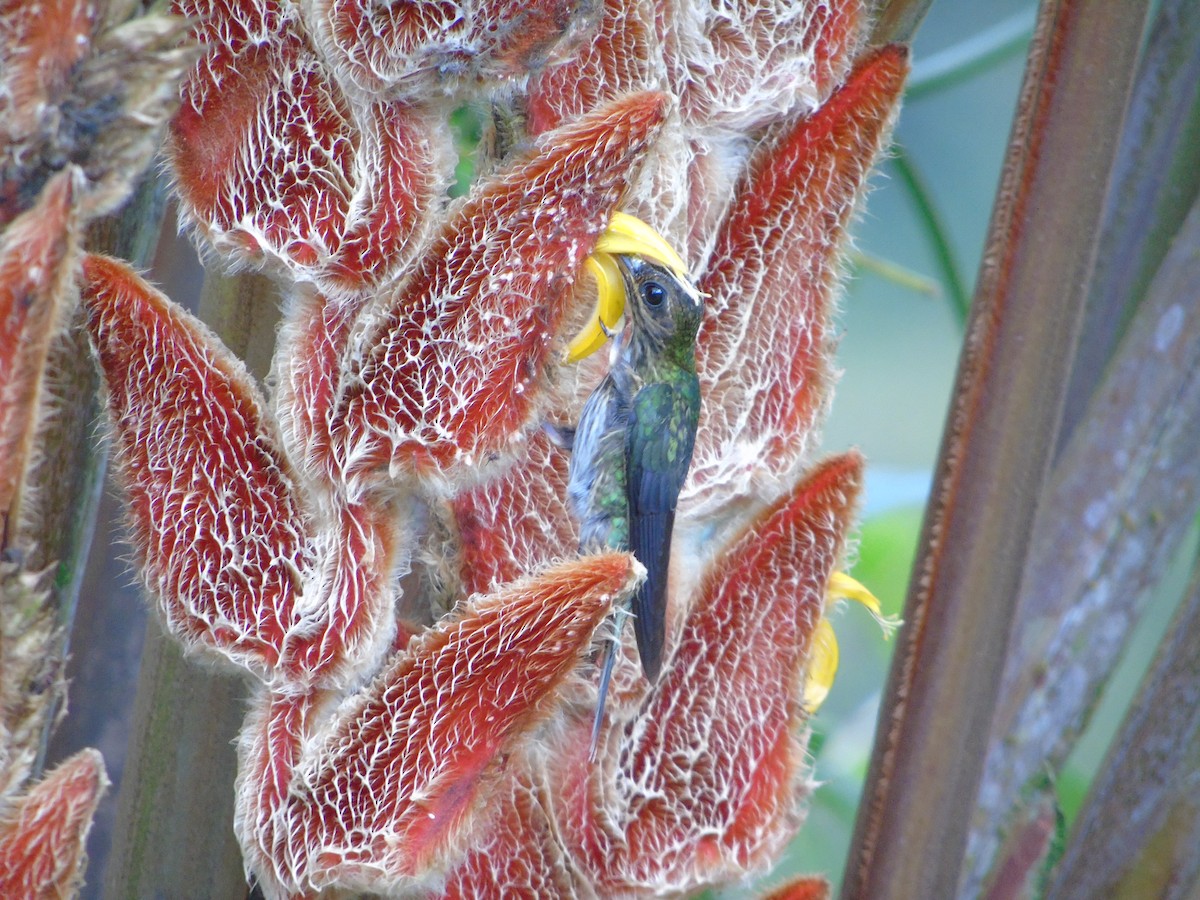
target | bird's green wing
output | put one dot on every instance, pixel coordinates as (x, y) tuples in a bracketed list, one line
[(660, 438)]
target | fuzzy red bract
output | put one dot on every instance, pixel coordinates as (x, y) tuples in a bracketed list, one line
[(42, 833), (772, 277), (37, 254), (518, 522), (616, 59), (423, 47), (278, 165), (449, 376), (769, 59), (388, 791), (417, 359), (223, 538)]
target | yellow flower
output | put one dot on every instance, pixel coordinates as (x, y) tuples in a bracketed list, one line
[(625, 235), (823, 658)]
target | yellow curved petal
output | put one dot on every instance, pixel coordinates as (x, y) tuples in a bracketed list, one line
[(629, 235), (843, 587), (610, 306), (586, 343), (822, 666), (610, 287), (823, 658)]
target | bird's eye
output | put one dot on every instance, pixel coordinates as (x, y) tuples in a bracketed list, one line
[(654, 294)]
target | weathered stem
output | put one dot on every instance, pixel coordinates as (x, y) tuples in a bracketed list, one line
[(1138, 834)]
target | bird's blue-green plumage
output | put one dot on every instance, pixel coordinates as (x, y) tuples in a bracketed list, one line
[(633, 444), (658, 447)]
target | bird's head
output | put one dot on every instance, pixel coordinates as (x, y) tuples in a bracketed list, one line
[(639, 274)]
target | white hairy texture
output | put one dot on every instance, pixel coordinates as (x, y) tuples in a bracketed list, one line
[(741, 65), (382, 788), (315, 184), (439, 48), (43, 833)]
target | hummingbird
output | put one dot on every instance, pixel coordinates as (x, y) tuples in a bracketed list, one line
[(633, 445)]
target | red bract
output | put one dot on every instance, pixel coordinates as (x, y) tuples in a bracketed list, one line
[(418, 357), (769, 59), (518, 522), (428, 46), (37, 255), (227, 558), (450, 375), (773, 268), (618, 57), (276, 164), (42, 833), (434, 726)]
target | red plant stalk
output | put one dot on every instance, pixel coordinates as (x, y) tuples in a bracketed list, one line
[(420, 352)]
